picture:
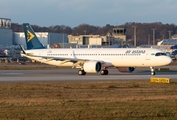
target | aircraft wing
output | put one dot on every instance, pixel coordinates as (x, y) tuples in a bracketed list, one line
[(73, 60), (76, 61)]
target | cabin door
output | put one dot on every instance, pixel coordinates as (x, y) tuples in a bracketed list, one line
[(147, 54)]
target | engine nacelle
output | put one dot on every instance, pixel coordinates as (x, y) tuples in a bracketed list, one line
[(126, 69), (92, 66)]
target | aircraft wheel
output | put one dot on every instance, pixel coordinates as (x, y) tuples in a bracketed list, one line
[(81, 72), (152, 73), (104, 72)]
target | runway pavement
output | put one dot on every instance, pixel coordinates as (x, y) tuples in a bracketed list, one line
[(71, 75)]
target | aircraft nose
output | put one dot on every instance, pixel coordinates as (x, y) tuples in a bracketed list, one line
[(168, 60)]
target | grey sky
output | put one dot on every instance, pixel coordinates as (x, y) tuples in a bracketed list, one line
[(94, 12)]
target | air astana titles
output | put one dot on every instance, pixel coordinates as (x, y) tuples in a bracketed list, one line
[(135, 51)]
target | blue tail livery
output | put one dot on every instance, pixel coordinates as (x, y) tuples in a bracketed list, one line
[(32, 41)]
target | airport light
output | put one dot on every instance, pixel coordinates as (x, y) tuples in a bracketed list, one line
[(135, 35), (153, 32)]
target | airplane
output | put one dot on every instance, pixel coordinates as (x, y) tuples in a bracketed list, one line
[(93, 60)]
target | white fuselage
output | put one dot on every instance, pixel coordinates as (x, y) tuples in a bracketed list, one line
[(134, 57)]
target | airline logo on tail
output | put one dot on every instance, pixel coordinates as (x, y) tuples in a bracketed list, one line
[(32, 42), (30, 36)]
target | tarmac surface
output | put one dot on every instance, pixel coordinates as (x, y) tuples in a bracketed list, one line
[(72, 75)]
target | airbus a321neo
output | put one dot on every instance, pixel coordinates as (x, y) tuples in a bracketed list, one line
[(94, 60)]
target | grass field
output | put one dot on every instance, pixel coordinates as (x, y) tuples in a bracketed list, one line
[(108, 100)]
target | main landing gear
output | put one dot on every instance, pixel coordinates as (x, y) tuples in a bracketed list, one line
[(104, 71), (152, 71), (81, 72)]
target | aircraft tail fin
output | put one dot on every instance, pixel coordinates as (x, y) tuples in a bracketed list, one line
[(32, 41)]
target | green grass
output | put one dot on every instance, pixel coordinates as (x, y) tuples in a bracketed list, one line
[(109, 100)]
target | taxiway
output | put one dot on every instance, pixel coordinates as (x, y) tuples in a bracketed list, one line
[(71, 75)]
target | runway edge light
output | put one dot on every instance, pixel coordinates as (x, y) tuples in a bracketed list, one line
[(160, 80)]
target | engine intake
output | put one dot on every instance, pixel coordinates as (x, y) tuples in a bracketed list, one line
[(92, 66)]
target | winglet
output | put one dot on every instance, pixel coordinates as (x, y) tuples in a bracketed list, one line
[(32, 41)]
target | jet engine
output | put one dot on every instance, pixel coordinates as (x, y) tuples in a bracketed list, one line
[(126, 69), (92, 66)]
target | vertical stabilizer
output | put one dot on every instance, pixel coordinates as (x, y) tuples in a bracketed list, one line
[(32, 41)]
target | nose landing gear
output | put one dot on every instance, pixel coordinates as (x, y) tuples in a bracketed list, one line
[(152, 71)]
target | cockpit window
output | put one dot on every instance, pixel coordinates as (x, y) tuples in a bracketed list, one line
[(160, 54)]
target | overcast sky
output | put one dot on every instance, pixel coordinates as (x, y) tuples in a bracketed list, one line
[(93, 12)]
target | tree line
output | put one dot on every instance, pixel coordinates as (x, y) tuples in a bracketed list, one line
[(144, 31)]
